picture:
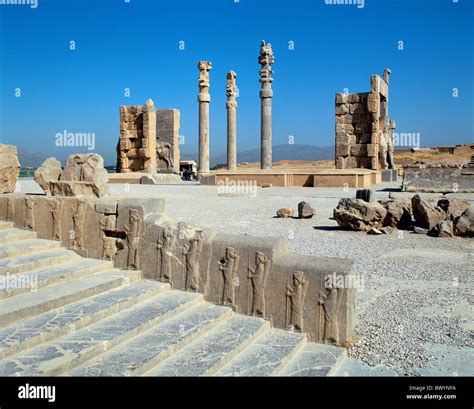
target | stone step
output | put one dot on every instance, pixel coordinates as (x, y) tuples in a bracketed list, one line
[(266, 355), (12, 235), (156, 344), (314, 360), (27, 262), (214, 349), (59, 322), (6, 225), (44, 277), (26, 247), (62, 355), (27, 305)]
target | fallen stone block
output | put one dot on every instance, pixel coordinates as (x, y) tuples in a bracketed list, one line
[(9, 168), (305, 210), (356, 214), (453, 207), (365, 194), (426, 215), (445, 228), (420, 230), (49, 171), (398, 213), (464, 225), (160, 179), (285, 213)]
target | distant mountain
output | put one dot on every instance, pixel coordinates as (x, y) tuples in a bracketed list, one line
[(282, 152)]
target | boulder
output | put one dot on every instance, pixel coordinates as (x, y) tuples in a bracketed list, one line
[(305, 210), (375, 232), (356, 214), (464, 224), (443, 229), (453, 207), (9, 168), (285, 213), (426, 215), (398, 213), (420, 230), (49, 171)]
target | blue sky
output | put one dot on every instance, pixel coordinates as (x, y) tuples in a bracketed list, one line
[(136, 45)]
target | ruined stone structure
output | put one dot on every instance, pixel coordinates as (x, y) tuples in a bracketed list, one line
[(252, 275), (136, 150), (83, 175), (231, 105), (204, 98), (167, 140), (364, 132), (266, 60), (9, 168)]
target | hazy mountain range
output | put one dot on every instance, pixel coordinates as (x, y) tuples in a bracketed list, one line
[(280, 152)]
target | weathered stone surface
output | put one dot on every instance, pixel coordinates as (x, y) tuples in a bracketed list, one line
[(49, 171), (160, 179), (453, 207), (285, 213), (356, 214), (426, 215), (464, 225), (445, 228), (87, 167), (387, 230), (9, 168), (420, 230), (438, 178), (70, 188), (305, 210), (398, 213), (375, 232)]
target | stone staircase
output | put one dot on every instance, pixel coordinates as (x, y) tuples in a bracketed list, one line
[(82, 317)]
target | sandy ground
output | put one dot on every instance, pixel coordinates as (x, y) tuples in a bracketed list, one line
[(416, 309)]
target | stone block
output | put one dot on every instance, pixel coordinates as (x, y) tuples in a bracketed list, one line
[(9, 168), (353, 98), (359, 150), (371, 150), (351, 163), (342, 109), (341, 98), (49, 171), (343, 149)]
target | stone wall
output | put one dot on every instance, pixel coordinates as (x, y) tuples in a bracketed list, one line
[(167, 139), (362, 124), (253, 275), (439, 178), (136, 150)]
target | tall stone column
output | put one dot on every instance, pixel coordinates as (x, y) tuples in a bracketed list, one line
[(266, 59), (231, 105), (204, 99)]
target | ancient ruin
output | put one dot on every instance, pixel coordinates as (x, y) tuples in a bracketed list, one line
[(9, 168), (204, 98), (231, 106), (266, 59), (364, 132)]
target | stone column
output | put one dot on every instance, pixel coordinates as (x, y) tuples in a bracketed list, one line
[(204, 99), (266, 59), (231, 105)]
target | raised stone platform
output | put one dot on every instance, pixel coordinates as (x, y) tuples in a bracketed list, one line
[(439, 178), (355, 178), (137, 178)]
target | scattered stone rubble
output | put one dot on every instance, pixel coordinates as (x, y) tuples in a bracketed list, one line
[(449, 217)]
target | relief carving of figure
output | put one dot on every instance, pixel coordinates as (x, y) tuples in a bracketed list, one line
[(164, 153), (164, 247), (387, 146), (296, 294), (228, 267), (56, 216), (10, 209), (330, 302), (78, 225), (133, 237), (30, 217), (258, 278), (107, 223), (192, 253)]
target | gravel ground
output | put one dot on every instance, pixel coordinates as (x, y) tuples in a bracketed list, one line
[(416, 308)]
